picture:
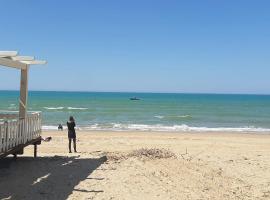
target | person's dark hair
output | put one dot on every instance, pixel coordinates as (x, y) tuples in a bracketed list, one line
[(71, 119)]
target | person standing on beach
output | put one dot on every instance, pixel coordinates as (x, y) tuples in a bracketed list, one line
[(71, 133)]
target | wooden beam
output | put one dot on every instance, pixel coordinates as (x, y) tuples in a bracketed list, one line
[(23, 93), (8, 53), (23, 58), (12, 63), (35, 62)]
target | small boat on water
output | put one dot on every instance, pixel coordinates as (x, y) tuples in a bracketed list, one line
[(134, 98)]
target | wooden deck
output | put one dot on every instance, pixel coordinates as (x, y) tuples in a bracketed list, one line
[(17, 133)]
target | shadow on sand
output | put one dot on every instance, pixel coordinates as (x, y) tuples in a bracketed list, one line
[(45, 177)]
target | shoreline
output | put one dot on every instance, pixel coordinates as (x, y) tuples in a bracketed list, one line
[(166, 132), (159, 128)]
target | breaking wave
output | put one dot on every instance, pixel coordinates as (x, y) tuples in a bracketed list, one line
[(74, 108), (61, 108), (161, 128), (159, 116), (173, 117), (54, 108)]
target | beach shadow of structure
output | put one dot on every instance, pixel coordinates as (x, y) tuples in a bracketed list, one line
[(45, 177)]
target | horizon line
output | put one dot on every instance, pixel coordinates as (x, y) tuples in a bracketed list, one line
[(143, 92)]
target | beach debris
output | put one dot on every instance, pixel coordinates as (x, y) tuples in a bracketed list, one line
[(152, 153), (245, 158), (47, 139), (116, 157), (186, 156)]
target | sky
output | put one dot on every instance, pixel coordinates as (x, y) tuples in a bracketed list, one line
[(192, 46)]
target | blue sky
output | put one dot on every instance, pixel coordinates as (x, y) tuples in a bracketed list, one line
[(144, 45)]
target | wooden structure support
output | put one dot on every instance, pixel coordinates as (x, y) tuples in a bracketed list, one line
[(19, 130), (15, 132), (19, 149), (23, 93)]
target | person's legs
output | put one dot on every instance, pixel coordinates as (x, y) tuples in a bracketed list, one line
[(74, 144), (69, 144)]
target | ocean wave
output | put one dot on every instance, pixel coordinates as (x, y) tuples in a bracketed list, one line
[(12, 106), (61, 108), (161, 128), (54, 108), (52, 128), (159, 116), (74, 108), (55, 128), (172, 117), (184, 116)]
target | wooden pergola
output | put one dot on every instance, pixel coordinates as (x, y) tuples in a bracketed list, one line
[(15, 135), (11, 59)]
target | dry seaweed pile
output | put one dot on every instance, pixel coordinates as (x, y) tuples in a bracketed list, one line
[(143, 153), (152, 153)]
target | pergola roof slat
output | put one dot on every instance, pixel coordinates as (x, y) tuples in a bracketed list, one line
[(34, 62), (8, 53), (11, 59), (12, 63), (23, 58)]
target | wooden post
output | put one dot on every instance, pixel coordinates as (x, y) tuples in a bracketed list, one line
[(23, 93), (35, 150), (6, 136)]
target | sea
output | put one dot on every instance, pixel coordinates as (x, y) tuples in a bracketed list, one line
[(152, 112)]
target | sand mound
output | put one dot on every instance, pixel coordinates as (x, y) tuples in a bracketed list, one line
[(143, 153), (152, 153)]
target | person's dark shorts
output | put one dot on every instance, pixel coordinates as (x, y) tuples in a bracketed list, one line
[(71, 135)]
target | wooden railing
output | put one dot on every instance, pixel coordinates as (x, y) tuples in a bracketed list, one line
[(15, 131)]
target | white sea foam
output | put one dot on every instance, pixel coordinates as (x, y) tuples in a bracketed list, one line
[(159, 116), (52, 128), (184, 116), (162, 128), (178, 116), (54, 108), (12, 106), (74, 108), (61, 108)]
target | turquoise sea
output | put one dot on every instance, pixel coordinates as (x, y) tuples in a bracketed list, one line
[(154, 111)]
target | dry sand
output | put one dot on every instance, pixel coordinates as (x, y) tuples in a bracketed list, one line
[(107, 166)]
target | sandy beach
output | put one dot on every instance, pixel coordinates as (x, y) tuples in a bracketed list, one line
[(142, 165)]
